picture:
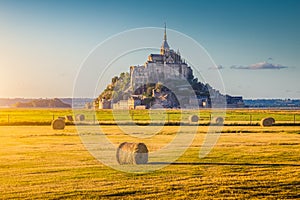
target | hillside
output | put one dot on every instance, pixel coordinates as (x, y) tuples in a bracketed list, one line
[(42, 103), (119, 89)]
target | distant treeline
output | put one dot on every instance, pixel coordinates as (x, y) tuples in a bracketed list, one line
[(42, 103), (75, 102)]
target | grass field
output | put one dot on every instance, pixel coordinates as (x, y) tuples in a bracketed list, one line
[(248, 162), (12, 116)]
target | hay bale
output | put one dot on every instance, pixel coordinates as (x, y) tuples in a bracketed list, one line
[(268, 121), (79, 117), (193, 118), (58, 124), (218, 120), (69, 118), (132, 153)]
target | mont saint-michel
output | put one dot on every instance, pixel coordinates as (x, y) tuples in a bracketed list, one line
[(165, 80)]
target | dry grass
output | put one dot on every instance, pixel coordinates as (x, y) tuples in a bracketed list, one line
[(247, 162), (233, 116)]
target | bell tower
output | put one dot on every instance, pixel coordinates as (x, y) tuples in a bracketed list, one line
[(164, 47)]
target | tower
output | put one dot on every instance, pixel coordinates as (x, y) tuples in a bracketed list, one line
[(164, 47)]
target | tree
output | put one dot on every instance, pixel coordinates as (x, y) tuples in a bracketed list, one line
[(116, 88)]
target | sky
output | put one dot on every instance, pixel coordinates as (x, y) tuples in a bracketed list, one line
[(255, 44)]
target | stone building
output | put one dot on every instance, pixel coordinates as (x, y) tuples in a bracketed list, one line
[(168, 65), (170, 70), (104, 104)]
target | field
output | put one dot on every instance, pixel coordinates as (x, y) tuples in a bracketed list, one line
[(232, 116), (247, 162)]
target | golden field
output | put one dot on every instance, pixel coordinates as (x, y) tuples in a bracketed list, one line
[(247, 162)]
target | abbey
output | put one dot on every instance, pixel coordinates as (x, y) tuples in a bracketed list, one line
[(167, 65), (165, 80)]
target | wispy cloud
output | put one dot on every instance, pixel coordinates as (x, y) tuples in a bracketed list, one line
[(260, 65), (216, 67)]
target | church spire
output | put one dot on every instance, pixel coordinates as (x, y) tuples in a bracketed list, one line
[(164, 47)]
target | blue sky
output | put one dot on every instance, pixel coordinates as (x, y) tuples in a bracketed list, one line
[(257, 42)]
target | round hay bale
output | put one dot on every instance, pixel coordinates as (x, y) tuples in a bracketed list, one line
[(132, 153), (268, 121), (193, 118), (218, 120), (69, 118), (80, 117), (272, 119), (58, 124)]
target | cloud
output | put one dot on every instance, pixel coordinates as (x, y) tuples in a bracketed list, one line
[(288, 91), (260, 65), (220, 67), (216, 67)]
